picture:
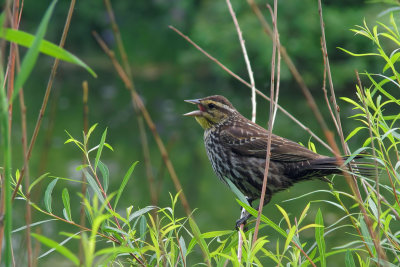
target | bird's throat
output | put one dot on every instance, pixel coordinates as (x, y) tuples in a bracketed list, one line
[(204, 123)]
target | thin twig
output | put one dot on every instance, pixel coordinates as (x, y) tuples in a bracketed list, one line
[(272, 114), (246, 59), (249, 85), (375, 165), (253, 102), (350, 180), (82, 220), (46, 96)]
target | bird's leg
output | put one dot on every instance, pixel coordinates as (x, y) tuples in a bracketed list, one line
[(244, 214)]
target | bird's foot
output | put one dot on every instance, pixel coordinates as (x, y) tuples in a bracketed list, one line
[(242, 220)]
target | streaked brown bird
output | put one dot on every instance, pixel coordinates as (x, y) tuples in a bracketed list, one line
[(237, 150)]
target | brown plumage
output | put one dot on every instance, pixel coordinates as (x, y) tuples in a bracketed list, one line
[(237, 150)]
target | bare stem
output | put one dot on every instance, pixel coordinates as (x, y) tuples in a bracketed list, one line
[(46, 96), (272, 114), (246, 59)]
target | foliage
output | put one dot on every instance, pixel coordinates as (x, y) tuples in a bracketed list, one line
[(116, 234)]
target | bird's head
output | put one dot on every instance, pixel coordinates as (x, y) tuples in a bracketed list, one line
[(212, 110)]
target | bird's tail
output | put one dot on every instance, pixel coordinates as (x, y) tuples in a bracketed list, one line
[(360, 165)]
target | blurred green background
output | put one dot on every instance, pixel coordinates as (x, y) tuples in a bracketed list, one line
[(166, 70)]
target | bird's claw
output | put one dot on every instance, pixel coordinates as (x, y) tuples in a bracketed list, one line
[(241, 221)]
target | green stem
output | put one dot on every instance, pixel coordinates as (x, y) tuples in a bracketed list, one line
[(7, 175)]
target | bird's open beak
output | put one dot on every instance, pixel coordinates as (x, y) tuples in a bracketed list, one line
[(195, 112)]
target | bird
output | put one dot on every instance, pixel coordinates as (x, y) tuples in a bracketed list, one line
[(237, 147)]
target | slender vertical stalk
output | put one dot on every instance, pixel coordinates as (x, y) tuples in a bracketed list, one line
[(84, 161), (6, 218), (272, 110), (47, 95), (246, 59), (28, 215)]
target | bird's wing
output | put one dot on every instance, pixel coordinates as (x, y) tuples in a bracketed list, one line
[(251, 140)]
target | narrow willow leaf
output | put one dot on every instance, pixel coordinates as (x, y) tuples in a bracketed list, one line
[(33, 52), (285, 215), (263, 218), (123, 183), (141, 212), (100, 149), (37, 181), (356, 130), (67, 205), (33, 224), (105, 173), (94, 185), (236, 191), (142, 229), (59, 248), (216, 233), (349, 260), (197, 235), (182, 246), (319, 237), (289, 237), (26, 39), (91, 129), (47, 194)]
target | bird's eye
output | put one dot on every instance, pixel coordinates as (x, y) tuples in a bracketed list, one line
[(211, 105)]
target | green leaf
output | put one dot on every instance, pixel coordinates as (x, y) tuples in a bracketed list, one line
[(393, 59), (100, 149), (37, 181), (216, 233), (285, 215), (349, 260), (236, 191), (33, 52), (59, 248), (356, 130), (142, 229), (263, 218), (67, 205), (319, 237), (141, 212), (26, 39), (124, 182), (357, 55), (197, 235), (91, 129), (289, 237), (93, 185), (105, 173), (47, 195)]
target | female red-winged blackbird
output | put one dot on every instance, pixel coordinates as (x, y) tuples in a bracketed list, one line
[(237, 150)]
